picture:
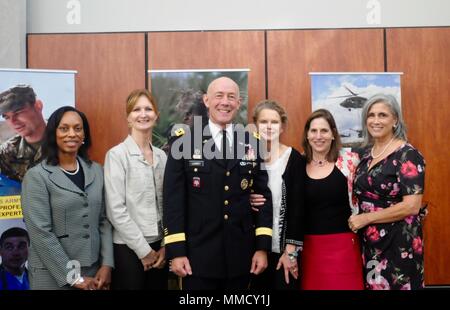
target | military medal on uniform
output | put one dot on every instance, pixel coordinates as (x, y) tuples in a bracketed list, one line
[(196, 182), (244, 184), (250, 153)]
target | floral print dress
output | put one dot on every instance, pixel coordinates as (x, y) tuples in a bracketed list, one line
[(392, 252)]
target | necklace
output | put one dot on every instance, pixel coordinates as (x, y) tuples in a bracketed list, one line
[(70, 172), (319, 163), (382, 152)]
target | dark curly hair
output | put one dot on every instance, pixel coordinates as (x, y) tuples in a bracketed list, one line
[(49, 145)]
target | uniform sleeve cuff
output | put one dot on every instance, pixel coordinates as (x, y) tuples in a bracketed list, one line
[(263, 231)]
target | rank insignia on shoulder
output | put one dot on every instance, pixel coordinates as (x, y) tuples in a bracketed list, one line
[(256, 135), (179, 132)]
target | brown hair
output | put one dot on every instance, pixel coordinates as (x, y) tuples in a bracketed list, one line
[(271, 105), (134, 96), (333, 153)]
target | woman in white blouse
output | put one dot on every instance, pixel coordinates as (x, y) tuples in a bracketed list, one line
[(134, 172), (284, 166)]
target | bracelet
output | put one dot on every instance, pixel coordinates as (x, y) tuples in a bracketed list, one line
[(292, 256)]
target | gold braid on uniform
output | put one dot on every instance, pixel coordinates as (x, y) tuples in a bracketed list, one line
[(174, 238), (264, 231)]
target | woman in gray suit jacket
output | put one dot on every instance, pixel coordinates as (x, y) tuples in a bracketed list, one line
[(64, 210)]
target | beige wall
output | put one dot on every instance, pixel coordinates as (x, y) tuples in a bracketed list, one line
[(12, 33)]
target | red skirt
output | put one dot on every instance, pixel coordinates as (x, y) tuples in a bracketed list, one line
[(332, 262)]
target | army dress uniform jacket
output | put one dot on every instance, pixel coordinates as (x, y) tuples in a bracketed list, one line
[(207, 213), (65, 223)]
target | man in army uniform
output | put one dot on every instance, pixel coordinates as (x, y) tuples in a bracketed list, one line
[(212, 237), (23, 114)]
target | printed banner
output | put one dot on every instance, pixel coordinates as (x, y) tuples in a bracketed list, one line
[(344, 95), (21, 128), (179, 95)]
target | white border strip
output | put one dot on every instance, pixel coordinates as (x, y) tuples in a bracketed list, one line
[(39, 70), (200, 70), (348, 73)]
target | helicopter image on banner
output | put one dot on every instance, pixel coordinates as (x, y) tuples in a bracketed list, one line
[(350, 132), (345, 94), (352, 101)]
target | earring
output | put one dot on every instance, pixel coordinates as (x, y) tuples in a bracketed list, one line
[(82, 142)]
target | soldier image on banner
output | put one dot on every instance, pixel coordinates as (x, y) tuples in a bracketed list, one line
[(23, 114)]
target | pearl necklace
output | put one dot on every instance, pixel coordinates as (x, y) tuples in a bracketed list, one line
[(70, 172), (384, 150)]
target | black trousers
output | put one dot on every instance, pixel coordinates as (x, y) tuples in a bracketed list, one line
[(272, 279), (200, 283), (129, 273)]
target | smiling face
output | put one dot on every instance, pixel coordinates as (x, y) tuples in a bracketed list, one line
[(143, 116), (269, 125), (380, 121), (222, 100), (320, 136), (70, 133)]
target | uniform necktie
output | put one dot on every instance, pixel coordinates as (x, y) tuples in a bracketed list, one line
[(226, 152)]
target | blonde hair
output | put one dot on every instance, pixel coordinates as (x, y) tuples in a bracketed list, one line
[(134, 96), (271, 105)]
